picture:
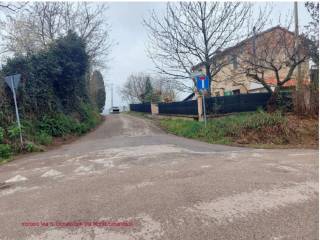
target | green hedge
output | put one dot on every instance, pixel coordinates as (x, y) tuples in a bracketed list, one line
[(53, 96)]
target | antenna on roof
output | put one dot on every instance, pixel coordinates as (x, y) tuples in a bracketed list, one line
[(254, 41)]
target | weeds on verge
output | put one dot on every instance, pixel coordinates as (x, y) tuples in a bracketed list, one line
[(232, 128), (41, 131)]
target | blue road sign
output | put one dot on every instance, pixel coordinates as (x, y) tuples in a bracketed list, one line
[(202, 82), (13, 81)]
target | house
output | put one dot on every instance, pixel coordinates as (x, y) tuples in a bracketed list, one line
[(233, 79)]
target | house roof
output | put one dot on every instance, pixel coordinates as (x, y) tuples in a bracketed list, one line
[(230, 49), (189, 97)]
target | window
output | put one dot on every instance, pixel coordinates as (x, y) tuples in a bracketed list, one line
[(236, 92), (227, 93)]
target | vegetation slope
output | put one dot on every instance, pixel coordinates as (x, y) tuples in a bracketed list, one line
[(53, 97), (257, 129)]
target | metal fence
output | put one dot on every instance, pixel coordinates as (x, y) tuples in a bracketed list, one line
[(236, 103), (141, 107), (218, 105), (181, 108)]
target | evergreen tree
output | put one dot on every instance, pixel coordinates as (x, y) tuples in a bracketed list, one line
[(148, 93)]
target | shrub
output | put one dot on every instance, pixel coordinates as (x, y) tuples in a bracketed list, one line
[(43, 138), (89, 118), (5, 151), (14, 131), (82, 128), (54, 77), (30, 147), (58, 125), (53, 90), (1, 134)]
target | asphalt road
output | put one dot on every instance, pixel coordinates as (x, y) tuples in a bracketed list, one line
[(129, 180)]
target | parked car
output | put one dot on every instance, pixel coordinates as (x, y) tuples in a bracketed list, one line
[(115, 110)]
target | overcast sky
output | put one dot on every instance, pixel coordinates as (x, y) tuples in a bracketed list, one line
[(129, 55)]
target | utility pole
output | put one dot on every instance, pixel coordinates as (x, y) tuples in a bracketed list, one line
[(254, 42), (111, 86), (254, 49), (297, 49), (204, 109), (297, 44)]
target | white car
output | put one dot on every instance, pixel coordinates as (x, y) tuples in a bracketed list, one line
[(115, 110)]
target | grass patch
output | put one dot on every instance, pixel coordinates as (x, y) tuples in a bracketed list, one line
[(43, 138), (251, 128)]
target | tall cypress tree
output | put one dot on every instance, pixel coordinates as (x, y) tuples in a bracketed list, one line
[(148, 93)]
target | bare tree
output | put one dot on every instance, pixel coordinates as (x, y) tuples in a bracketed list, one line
[(164, 89), (272, 55), (42, 22), (134, 90), (91, 23), (12, 6), (190, 33)]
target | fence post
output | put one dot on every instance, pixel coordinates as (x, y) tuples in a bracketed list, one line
[(200, 111), (154, 109)]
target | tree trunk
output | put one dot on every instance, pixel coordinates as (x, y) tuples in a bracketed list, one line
[(208, 73), (314, 93), (272, 104)]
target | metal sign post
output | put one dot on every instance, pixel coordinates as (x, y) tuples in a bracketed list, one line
[(13, 82), (202, 85), (204, 109)]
